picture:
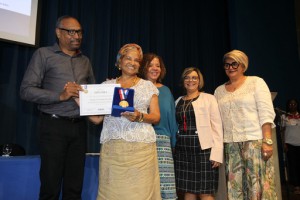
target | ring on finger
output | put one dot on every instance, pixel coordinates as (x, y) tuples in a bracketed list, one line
[(265, 154)]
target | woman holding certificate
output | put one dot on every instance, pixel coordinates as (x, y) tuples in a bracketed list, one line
[(128, 161)]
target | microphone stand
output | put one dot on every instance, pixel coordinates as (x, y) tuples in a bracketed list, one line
[(286, 174)]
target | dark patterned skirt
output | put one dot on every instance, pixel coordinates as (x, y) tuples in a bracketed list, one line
[(166, 168), (193, 169)]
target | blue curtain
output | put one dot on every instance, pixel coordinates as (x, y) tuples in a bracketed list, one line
[(184, 33)]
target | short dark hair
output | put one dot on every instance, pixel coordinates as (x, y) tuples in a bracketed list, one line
[(58, 21)]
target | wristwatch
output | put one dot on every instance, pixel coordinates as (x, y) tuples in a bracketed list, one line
[(268, 141)]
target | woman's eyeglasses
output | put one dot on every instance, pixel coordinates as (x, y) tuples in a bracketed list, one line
[(234, 65), (191, 78)]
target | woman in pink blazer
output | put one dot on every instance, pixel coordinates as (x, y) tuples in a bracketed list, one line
[(199, 146)]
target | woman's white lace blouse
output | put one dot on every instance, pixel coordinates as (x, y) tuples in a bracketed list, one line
[(122, 128), (245, 110)]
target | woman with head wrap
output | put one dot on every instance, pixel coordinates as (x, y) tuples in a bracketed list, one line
[(128, 161)]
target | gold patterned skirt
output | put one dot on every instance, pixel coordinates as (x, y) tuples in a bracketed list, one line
[(128, 171)]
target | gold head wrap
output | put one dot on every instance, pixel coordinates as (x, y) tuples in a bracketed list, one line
[(128, 47)]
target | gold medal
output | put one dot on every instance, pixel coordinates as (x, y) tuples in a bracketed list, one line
[(123, 95), (123, 104)]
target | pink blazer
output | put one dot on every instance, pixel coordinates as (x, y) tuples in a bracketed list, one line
[(209, 125)]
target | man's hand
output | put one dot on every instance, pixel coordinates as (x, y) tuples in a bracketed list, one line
[(71, 89)]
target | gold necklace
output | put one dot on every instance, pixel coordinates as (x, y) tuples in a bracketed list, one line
[(132, 84)]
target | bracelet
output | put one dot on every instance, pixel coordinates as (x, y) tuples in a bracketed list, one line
[(140, 116), (141, 119)]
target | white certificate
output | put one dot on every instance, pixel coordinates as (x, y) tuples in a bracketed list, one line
[(96, 99)]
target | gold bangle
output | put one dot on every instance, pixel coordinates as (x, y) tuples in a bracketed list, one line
[(138, 119), (141, 118)]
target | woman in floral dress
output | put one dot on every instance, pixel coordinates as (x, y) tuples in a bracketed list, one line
[(247, 113)]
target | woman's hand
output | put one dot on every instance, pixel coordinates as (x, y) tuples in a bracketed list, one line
[(266, 151), (132, 116), (215, 164)]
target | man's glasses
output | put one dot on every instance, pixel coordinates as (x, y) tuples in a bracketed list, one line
[(234, 65), (191, 78), (72, 32)]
